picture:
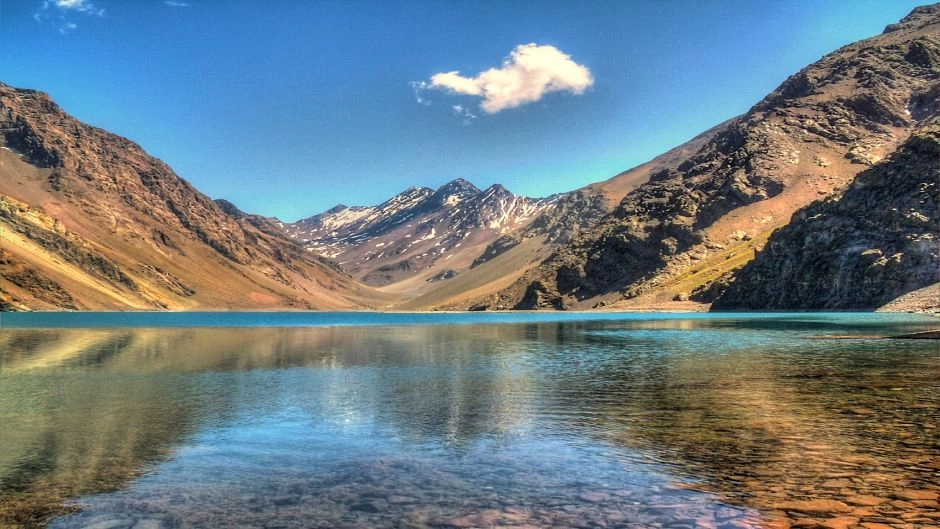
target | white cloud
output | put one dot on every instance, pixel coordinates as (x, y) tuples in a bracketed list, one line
[(419, 88), (528, 74), (58, 13), (466, 115), (83, 6), (175, 3), (72, 4)]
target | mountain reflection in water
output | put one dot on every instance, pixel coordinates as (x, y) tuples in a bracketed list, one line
[(712, 422)]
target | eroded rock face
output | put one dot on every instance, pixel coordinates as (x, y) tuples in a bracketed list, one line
[(809, 138), (47, 290), (860, 249)]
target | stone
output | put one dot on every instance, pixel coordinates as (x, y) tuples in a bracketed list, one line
[(148, 524), (514, 515), (869, 501), (463, 522), (839, 522), (701, 523), (594, 497), (487, 518), (725, 513), (911, 494), (120, 523), (805, 522), (822, 506)]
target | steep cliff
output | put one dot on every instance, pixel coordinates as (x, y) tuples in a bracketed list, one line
[(859, 249)]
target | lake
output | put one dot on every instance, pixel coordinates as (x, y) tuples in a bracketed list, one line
[(333, 420)]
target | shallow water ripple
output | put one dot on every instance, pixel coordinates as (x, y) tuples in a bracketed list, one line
[(714, 422)]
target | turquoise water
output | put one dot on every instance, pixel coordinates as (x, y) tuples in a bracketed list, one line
[(16, 320), (466, 420)]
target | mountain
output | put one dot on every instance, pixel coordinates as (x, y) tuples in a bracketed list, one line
[(89, 221), (447, 248), (684, 232), (419, 236), (859, 249)]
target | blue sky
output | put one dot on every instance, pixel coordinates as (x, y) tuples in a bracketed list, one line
[(287, 108)]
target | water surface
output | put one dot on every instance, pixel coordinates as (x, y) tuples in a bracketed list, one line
[(466, 420)]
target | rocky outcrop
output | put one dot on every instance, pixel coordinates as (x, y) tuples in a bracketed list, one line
[(270, 225), (809, 138), (569, 215), (53, 237), (859, 249), (22, 275), (923, 300)]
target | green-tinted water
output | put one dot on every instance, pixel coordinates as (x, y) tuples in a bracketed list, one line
[(451, 421)]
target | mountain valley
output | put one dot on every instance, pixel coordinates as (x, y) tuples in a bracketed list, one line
[(822, 196)]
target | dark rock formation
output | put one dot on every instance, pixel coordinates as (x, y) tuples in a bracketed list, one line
[(497, 248), (874, 242)]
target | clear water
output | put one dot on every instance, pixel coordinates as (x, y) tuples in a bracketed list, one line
[(467, 420)]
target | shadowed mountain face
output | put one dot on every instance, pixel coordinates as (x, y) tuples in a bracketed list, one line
[(684, 232), (859, 249), (91, 221)]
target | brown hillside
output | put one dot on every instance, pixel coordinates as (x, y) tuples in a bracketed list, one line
[(674, 236), (90, 221)]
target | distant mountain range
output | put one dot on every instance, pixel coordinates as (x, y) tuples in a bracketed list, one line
[(830, 181), (421, 233)]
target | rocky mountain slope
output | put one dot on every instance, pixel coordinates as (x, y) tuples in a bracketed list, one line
[(691, 225), (859, 249), (91, 221), (420, 235)]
